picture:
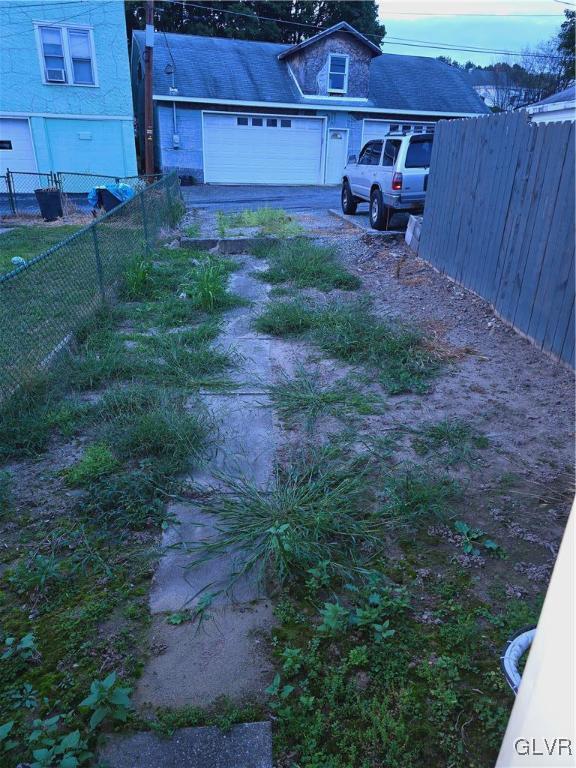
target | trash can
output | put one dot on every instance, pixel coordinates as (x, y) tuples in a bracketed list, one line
[(108, 199), (50, 203)]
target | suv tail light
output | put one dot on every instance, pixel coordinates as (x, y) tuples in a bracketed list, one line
[(397, 181)]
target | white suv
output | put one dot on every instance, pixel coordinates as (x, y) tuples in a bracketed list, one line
[(391, 174)]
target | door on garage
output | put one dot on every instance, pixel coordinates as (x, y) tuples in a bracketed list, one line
[(336, 154), (16, 152), (262, 149)]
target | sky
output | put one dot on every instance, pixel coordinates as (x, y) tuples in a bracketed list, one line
[(500, 25)]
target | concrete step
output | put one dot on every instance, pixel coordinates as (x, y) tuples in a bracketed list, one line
[(248, 745), (194, 665)]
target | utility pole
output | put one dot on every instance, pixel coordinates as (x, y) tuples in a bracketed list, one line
[(148, 85)]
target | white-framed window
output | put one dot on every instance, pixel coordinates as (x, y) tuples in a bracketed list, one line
[(66, 54), (338, 73)]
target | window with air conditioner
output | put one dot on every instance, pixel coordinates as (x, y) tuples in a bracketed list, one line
[(67, 55)]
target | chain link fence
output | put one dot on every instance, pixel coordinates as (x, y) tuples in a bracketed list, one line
[(45, 301), (18, 190)]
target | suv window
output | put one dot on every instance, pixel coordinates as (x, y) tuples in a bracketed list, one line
[(375, 152), (419, 153), (391, 149), (370, 155)]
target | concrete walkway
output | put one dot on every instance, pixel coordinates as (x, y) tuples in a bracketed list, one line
[(226, 655)]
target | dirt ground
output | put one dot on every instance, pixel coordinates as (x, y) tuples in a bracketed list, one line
[(515, 394)]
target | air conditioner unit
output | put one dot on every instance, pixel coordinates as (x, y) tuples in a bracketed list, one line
[(56, 75)]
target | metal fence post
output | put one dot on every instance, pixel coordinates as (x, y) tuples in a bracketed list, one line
[(99, 270), (10, 189), (144, 223)]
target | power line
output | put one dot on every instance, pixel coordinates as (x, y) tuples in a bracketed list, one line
[(406, 42), (48, 22)]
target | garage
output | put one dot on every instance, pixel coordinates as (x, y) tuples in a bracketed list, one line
[(262, 149), (16, 152)]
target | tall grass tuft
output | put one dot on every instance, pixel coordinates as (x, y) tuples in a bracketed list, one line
[(307, 265), (312, 513)]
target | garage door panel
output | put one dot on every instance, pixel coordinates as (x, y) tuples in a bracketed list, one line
[(18, 154), (247, 154)]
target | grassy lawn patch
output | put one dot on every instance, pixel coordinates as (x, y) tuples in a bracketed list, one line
[(28, 242), (305, 265)]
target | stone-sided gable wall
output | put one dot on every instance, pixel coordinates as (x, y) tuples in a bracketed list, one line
[(310, 65)]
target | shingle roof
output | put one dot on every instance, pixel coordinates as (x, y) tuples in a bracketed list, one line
[(244, 70), (569, 94), (343, 26)]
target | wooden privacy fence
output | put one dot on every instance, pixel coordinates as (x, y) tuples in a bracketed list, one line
[(499, 220)]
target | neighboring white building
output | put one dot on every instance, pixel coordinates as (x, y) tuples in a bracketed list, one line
[(560, 106)]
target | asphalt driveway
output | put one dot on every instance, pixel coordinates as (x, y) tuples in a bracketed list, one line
[(225, 197)]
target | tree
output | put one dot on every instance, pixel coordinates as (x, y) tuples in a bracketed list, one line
[(258, 19), (566, 47)]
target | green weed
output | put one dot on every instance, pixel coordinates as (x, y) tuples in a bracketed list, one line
[(97, 461), (137, 283), (285, 318), (310, 514), (303, 397), (451, 440), (352, 333), (307, 265), (413, 496)]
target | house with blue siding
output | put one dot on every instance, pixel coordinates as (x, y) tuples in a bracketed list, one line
[(243, 112), (65, 100)]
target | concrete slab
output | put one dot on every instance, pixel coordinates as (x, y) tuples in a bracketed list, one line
[(225, 656), (246, 444), (177, 584), (248, 745)]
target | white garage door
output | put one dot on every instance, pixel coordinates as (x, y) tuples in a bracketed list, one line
[(16, 151), (377, 129), (261, 149)]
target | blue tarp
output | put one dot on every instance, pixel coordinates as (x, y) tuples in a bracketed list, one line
[(122, 191)]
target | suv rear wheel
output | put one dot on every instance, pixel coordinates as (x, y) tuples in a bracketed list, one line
[(380, 214), (349, 204)]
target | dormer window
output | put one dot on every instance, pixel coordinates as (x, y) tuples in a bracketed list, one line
[(338, 73)]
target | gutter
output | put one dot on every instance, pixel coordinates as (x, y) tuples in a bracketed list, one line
[(329, 106)]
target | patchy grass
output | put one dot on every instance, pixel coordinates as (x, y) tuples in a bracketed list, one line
[(164, 431), (305, 265), (414, 497), (452, 441), (350, 332), (285, 318), (269, 221), (304, 398), (31, 241)]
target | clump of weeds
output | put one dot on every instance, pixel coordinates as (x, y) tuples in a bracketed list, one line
[(306, 265), (304, 397)]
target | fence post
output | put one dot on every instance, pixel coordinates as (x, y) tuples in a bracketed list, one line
[(98, 264), (144, 223), (10, 189)]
